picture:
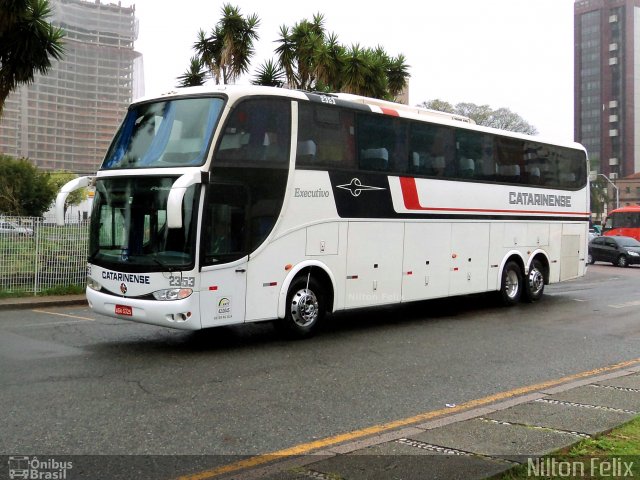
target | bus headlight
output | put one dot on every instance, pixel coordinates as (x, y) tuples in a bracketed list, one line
[(93, 285), (172, 294)]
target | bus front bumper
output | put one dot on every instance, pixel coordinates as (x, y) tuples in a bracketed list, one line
[(181, 314)]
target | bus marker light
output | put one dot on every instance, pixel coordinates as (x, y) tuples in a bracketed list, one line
[(270, 284), (409, 273), (454, 255), (352, 277), (288, 267), (213, 288)]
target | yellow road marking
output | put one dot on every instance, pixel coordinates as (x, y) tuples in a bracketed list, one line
[(64, 315), (305, 448)]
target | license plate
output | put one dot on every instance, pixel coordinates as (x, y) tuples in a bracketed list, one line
[(124, 310)]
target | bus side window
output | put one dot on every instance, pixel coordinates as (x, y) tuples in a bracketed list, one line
[(432, 149), (510, 160), (381, 141), (475, 155), (224, 224), (257, 131), (325, 136)]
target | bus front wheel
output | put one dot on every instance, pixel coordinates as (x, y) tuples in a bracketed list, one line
[(305, 308), (511, 286)]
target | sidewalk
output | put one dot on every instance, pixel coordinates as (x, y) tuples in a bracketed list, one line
[(478, 443), (41, 302)]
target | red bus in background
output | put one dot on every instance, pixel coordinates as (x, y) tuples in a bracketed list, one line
[(623, 221)]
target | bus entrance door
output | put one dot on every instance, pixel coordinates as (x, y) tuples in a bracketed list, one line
[(224, 259), (222, 295)]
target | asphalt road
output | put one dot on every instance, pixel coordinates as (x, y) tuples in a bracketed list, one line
[(72, 382)]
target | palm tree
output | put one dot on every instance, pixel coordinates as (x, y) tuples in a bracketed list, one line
[(227, 51), (307, 56), (397, 74), (195, 74), (313, 60), (270, 75), (27, 43)]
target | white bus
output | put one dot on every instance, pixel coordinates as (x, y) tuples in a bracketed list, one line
[(223, 205)]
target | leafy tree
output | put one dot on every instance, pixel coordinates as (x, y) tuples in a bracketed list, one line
[(24, 190), (502, 118), (27, 43), (195, 74), (227, 51)]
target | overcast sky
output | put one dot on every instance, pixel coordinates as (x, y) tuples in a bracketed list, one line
[(505, 53)]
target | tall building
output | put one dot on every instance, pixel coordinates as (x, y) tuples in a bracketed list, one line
[(607, 84), (65, 119)]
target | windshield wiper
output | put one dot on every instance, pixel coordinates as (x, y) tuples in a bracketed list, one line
[(167, 267)]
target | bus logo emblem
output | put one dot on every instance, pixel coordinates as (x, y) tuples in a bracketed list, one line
[(356, 187), (224, 306), (123, 288)]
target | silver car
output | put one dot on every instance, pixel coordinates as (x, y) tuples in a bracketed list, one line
[(10, 228)]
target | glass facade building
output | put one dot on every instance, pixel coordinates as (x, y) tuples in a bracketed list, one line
[(65, 120), (607, 84)]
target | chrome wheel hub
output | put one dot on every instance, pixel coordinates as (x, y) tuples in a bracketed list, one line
[(304, 307), (536, 281)]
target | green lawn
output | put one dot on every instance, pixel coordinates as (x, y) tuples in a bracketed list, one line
[(611, 456)]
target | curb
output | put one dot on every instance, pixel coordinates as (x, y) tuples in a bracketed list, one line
[(22, 303)]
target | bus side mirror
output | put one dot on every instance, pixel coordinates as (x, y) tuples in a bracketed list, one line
[(66, 189), (176, 195)]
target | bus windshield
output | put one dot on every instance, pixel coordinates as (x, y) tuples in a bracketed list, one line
[(164, 134), (129, 226)]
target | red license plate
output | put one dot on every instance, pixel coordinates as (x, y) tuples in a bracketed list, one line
[(124, 310)]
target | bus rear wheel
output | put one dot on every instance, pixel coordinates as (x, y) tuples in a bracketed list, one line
[(305, 308), (534, 286), (511, 285)]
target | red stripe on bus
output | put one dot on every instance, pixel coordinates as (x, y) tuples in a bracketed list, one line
[(412, 202)]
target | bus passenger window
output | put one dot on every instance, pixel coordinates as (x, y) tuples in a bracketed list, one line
[(381, 141), (432, 150), (325, 136), (257, 131)]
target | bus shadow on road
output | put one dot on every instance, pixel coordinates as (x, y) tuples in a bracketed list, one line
[(343, 325)]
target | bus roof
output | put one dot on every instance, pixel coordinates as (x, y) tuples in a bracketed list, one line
[(376, 105), (627, 209), (400, 107)]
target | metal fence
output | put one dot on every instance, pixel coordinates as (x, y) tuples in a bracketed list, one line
[(37, 255)]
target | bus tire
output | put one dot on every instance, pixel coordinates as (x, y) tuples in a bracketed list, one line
[(511, 284), (534, 284), (305, 310)]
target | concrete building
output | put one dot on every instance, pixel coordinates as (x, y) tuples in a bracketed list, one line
[(66, 119), (607, 84)]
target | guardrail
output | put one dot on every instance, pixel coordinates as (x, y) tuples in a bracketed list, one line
[(37, 255)]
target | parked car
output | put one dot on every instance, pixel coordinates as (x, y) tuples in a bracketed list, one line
[(621, 251), (10, 228)]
